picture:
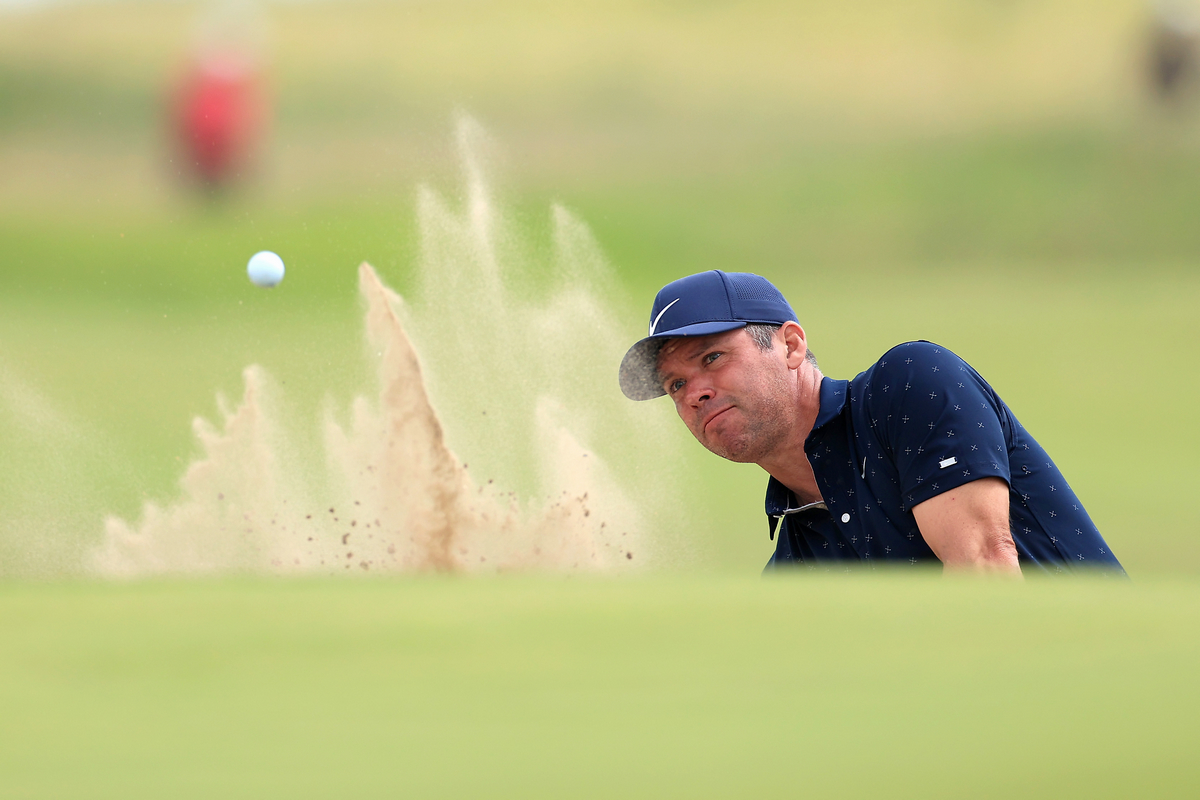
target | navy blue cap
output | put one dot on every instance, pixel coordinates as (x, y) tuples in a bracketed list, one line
[(699, 305)]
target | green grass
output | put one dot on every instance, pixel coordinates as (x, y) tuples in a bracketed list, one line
[(530, 687)]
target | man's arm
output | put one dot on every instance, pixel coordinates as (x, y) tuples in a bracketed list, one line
[(967, 527)]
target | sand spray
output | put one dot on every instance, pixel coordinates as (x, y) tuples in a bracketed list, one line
[(484, 447)]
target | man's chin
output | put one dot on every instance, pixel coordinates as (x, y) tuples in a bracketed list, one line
[(731, 451), (739, 445)]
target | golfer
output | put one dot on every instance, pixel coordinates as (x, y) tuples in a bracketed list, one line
[(914, 461)]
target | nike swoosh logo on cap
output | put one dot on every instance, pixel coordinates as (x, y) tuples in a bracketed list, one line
[(654, 324)]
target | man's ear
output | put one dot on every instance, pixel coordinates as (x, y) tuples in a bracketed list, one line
[(795, 343)]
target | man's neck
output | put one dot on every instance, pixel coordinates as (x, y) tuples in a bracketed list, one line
[(788, 463)]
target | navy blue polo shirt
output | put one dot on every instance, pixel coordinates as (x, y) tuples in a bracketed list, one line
[(920, 422)]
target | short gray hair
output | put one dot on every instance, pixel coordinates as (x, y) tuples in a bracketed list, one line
[(763, 335)]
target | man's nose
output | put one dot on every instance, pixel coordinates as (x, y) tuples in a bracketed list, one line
[(699, 394)]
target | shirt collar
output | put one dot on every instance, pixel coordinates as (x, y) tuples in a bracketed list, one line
[(780, 499), (833, 400)]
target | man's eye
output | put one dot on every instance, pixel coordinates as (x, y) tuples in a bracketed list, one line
[(676, 386), (711, 357)]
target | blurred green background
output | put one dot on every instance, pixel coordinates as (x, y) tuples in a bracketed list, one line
[(998, 176)]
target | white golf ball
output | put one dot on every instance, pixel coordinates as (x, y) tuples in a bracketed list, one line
[(265, 269)]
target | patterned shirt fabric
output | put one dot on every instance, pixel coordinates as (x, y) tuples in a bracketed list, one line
[(920, 422)]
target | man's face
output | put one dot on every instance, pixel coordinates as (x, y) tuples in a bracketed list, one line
[(737, 400)]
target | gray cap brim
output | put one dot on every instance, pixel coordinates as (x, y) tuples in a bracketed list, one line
[(639, 368)]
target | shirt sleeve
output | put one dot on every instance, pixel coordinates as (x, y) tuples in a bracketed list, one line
[(942, 423)]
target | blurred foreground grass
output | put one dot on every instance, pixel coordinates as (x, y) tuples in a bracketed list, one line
[(871, 686)]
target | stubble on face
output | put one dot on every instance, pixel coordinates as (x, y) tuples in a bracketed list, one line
[(757, 424)]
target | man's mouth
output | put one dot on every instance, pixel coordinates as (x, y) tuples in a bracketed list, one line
[(714, 416)]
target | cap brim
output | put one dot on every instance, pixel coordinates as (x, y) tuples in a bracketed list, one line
[(639, 367)]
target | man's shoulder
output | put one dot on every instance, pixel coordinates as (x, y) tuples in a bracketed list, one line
[(912, 359), (913, 369)]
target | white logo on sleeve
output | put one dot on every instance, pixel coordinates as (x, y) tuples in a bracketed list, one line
[(654, 324), (947, 462)]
